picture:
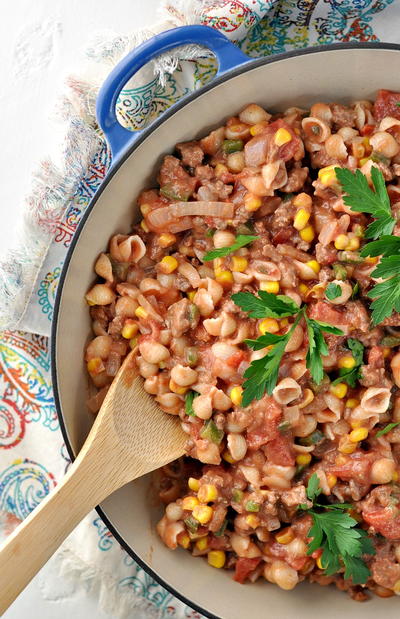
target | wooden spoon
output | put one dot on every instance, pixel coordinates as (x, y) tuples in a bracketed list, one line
[(130, 437)]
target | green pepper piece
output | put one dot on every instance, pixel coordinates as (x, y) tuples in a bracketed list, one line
[(211, 432), (378, 158), (350, 257), (191, 356), (339, 271), (252, 506), (211, 232), (284, 427), (189, 397), (312, 439), (390, 341), (191, 524), (232, 146), (237, 495), (168, 191)]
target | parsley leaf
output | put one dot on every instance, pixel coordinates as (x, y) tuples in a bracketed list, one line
[(241, 241), (317, 346), (387, 428), (262, 374), (342, 541), (333, 291), (386, 297), (189, 397), (362, 199), (388, 245), (350, 376), (266, 305)]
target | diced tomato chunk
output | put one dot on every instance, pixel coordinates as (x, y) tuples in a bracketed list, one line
[(279, 450), (367, 130), (326, 313), (264, 429), (236, 359), (386, 104), (383, 521), (244, 567)]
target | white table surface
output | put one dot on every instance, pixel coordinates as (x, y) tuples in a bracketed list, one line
[(40, 41)]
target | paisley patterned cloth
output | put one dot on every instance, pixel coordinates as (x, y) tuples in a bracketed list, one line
[(32, 454)]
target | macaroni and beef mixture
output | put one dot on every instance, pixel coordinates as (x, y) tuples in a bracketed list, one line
[(234, 499)]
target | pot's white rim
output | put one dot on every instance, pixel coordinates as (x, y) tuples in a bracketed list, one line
[(130, 149)]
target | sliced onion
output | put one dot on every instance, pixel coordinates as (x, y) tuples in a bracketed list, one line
[(256, 149), (202, 208), (149, 308)]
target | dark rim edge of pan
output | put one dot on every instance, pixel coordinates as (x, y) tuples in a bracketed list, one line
[(257, 62)]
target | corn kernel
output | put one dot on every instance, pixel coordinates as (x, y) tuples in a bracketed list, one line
[(183, 540), (140, 312), (347, 362), (253, 521), (301, 219), (133, 342), (144, 226), (307, 234), (396, 587), (283, 323), (331, 480), (236, 395), (252, 203), (189, 503), (303, 459), (346, 446), (227, 457), (285, 536), (341, 241), (340, 459), (354, 244), (207, 493), (314, 265), (319, 563), (395, 476), (203, 513), (268, 325), (339, 390), (269, 286), (303, 288), (371, 260), (193, 484), (258, 128), (302, 200), (363, 161), (282, 136), (220, 169), (129, 330), (239, 264), (216, 558), (95, 365), (352, 403), (144, 209), (191, 295), (327, 175), (166, 239), (360, 434), (224, 277), (386, 352), (202, 543), (177, 388), (168, 264)]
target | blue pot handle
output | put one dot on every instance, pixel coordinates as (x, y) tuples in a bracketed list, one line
[(228, 56)]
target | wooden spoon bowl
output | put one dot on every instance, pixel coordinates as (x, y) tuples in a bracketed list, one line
[(130, 437)]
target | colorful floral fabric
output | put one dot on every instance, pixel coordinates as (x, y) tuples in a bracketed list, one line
[(32, 454)]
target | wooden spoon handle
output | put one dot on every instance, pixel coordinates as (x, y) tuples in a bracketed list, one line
[(30, 546)]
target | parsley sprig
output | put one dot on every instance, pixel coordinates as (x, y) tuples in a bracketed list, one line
[(350, 376), (333, 291), (262, 374), (386, 294), (241, 241), (362, 199), (342, 541)]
